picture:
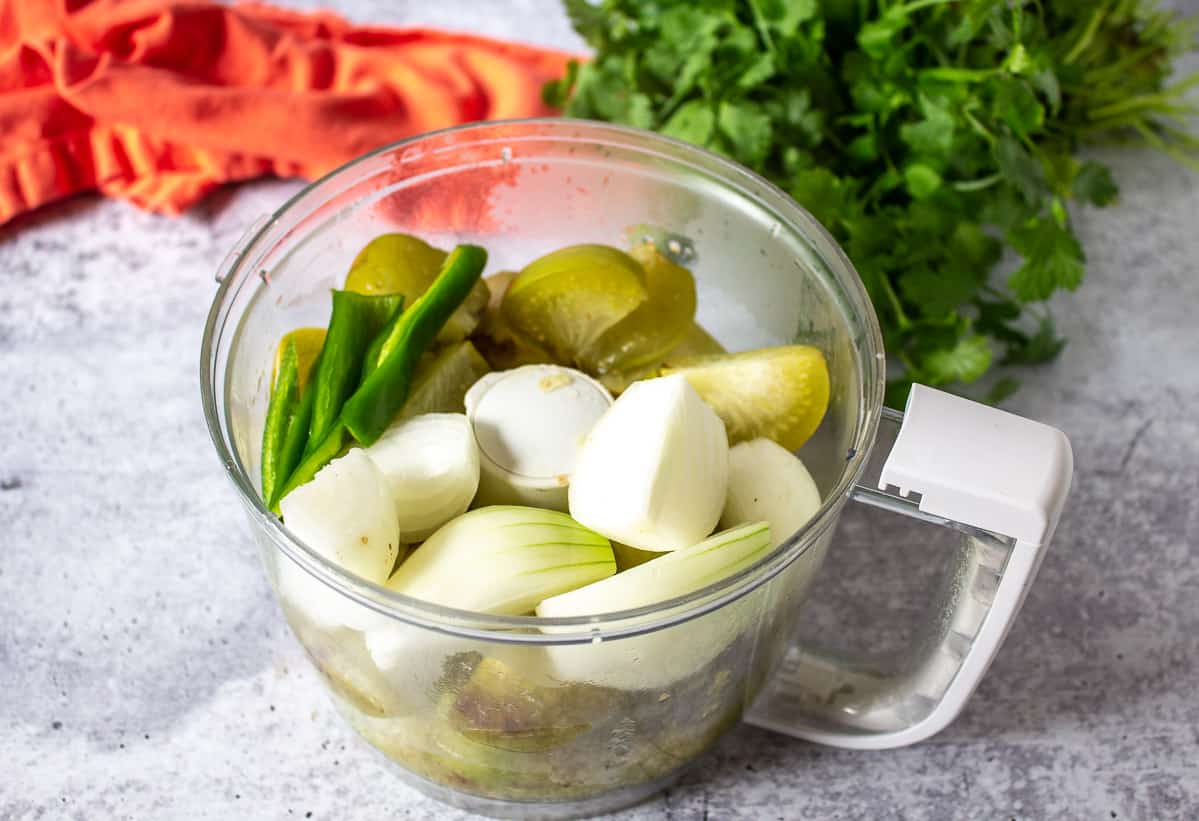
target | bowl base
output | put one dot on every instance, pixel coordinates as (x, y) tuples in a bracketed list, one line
[(610, 801)]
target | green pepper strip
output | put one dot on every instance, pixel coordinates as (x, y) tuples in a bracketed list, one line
[(356, 319), (285, 397), (322, 454), (374, 353), (375, 404), (293, 445)]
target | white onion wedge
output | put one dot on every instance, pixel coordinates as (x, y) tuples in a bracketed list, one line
[(676, 574), (659, 658), (529, 424), (431, 466), (769, 483), (347, 515), (503, 560), (654, 469)]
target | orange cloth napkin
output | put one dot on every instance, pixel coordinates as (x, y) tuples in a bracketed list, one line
[(159, 101)]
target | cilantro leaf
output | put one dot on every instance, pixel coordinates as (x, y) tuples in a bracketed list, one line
[(756, 72), (921, 180), (693, 122), (928, 136), (1017, 105), (897, 393), (972, 249), (682, 51), (588, 19), (1001, 390), (877, 37), (935, 293), (966, 361), (602, 91), (821, 193), (1021, 169), (748, 129), (1052, 259), (1093, 183), (1042, 346), (784, 15), (556, 93), (932, 135)]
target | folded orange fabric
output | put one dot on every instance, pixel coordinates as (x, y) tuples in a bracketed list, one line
[(159, 101)]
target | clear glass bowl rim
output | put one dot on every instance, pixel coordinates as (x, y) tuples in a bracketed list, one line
[(566, 630)]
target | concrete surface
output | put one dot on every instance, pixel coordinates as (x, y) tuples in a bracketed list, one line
[(145, 671)]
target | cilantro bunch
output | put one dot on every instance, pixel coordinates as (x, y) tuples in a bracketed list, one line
[(928, 136)]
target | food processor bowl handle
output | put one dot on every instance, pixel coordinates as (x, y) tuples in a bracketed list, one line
[(1000, 481)]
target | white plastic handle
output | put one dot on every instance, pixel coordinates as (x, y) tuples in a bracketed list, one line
[(1002, 481)]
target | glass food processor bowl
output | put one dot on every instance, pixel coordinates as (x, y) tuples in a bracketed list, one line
[(520, 716)]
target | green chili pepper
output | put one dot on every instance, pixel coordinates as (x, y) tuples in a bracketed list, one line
[(285, 398), (317, 457), (375, 404), (294, 442), (374, 352), (355, 321)]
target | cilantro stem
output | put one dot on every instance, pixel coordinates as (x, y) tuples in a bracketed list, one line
[(1126, 121), (979, 127), (1148, 135), (1088, 35), (1154, 102), (760, 25), (1178, 135), (916, 5), (1017, 26), (1163, 101), (1110, 78), (978, 184), (901, 317), (959, 75)]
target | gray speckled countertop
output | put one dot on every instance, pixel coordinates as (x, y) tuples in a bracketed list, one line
[(145, 671)]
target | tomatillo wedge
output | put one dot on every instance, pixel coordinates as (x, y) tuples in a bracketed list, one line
[(442, 380), (501, 346), (565, 300), (308, 343), (695, 342), (779, 393), (656, 326)]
